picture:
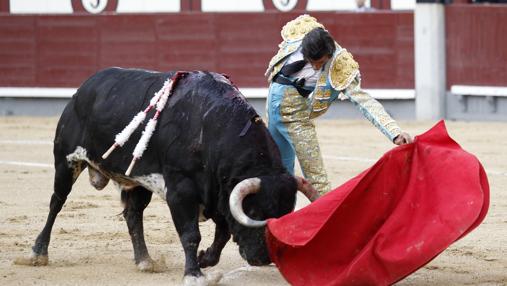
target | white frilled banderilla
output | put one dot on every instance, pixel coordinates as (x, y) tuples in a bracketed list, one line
[(159, 100)]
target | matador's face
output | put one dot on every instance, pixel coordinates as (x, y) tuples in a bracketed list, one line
[(318, 64)]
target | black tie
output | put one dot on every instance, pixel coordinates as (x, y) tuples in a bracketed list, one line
[(292, 68)]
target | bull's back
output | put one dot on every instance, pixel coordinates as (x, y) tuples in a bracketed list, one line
[(108, 101), (114, 93)]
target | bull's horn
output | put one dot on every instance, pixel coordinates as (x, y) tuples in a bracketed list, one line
[(307, 189), (240, 191)]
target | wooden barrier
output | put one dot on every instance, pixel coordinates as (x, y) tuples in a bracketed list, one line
[(63, 50)]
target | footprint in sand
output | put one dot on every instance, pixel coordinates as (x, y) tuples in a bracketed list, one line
[(17, 219), (78, 205)]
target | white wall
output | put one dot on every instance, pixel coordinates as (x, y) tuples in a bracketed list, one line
[(258, 6), (150, 6), (232, 5), (333, 5), (403, 4), (40, 6), (172, 6)]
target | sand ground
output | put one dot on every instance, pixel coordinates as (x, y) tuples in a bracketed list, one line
[(90, 243)]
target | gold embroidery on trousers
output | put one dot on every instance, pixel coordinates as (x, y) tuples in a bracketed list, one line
[(295, 116)]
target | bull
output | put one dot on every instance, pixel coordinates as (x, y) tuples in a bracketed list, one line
[(210, 156)]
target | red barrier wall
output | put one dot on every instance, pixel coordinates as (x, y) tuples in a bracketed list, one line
[(476, 44), (63, 50)]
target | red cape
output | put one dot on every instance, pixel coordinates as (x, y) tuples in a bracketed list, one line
[(388, 221)]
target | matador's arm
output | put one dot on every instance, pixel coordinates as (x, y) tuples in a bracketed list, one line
[(372, 109)]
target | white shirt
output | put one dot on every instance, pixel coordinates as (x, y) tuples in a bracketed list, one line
[(307, 72)]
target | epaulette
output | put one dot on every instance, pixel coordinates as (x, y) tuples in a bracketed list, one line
[(343, 70)]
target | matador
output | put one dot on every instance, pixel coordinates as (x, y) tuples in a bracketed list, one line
[(309, 72)]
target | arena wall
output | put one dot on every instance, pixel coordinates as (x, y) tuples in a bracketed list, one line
[(62, 50), (476, 60), (48, 51), (476, 45)]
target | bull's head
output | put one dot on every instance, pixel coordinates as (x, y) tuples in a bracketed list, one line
[(253, 201)]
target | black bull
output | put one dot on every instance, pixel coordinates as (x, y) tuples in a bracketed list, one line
[(208, 139)]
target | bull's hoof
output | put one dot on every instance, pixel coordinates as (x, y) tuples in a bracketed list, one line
[(207, 279), (147, 265), (32, 260), (189, 280)]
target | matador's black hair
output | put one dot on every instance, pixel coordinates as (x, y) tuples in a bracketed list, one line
[(317, 43)]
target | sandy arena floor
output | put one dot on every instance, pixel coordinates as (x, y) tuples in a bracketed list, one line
[(90, 243)]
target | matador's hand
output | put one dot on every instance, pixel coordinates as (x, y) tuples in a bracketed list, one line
[(403, 138)]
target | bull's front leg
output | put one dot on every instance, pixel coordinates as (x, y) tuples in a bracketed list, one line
[(183, 200), (211, 256)]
